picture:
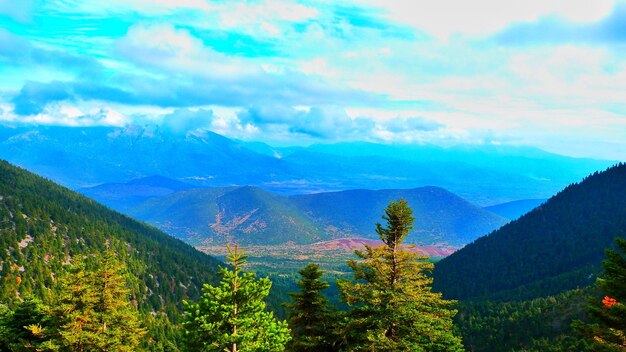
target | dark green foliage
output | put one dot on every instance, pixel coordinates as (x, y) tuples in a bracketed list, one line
[(43, 226), (392, 305), (556, 247), (541, 324), (232, 317), (310, 317), (608, 333), (15, 334), (91, 310)]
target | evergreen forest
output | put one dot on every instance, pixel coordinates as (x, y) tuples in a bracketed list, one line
[(76, 276)]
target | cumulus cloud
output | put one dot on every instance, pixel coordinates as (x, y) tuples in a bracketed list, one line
[(260, 115), (329, 123), (317, 123), (34, 96), (69, 115), (185, 120)]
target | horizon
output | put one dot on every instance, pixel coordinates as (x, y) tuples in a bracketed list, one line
[(282, 146)]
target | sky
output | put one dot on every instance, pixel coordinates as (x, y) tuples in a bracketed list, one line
[(543, 73)]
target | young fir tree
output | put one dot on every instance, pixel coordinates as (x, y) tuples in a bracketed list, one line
[(392, 305), (94, 308), (309, 314), (232, 317), (608, 334)]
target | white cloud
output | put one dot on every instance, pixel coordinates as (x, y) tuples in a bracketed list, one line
[(481, 17), (66, 114), (175, 49), (262, 17)]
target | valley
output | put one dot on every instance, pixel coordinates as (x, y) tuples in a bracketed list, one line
[(285, 260)]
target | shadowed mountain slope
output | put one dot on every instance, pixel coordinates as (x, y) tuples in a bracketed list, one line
[(556, 247)]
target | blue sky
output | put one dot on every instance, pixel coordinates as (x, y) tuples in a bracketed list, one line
[(550, 74)]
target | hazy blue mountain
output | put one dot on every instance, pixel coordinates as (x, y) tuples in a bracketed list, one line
[(122, 196), (513, 210), (441, 217), (254, 216), (482, 174), (80, 157), (556, 247), (216, 216), (87, 156)]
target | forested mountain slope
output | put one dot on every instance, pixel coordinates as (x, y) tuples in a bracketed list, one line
[(556, 247), (441, 217), (43, 225)]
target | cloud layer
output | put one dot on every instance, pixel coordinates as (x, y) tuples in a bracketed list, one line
[(294, 72)]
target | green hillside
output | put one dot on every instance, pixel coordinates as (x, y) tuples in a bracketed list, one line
[(246, 215), (43, 225), (556, 247), (250, 215)]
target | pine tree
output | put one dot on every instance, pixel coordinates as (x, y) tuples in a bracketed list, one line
[(231, 316), (309, 313), (392, 305), (608, 334), (94, 308)]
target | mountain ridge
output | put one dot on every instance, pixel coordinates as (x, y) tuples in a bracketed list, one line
[(219, 215), (555, 247)]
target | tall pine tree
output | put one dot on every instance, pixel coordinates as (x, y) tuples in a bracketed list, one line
[(608, 334), (392, 305), (232, 317), (309, 313)]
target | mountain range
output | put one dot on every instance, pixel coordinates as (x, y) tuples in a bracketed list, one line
[(80, 157), (251, 215)]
